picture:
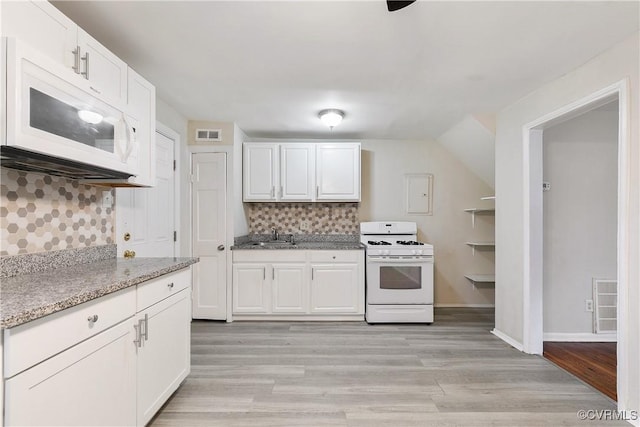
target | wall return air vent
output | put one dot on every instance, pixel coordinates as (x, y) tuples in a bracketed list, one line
[(208, 135)]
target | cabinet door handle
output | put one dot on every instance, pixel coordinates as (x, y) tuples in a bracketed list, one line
[(317, 191), (312, 274), (221, 247), (138, 340), (264, 273), (146, 328), (281, 192), (85, 58), (92, 319), (76, 60), (273, 191), (273, 273)]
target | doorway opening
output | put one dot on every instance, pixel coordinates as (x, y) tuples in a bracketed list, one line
[(580, 176), (533, 179)]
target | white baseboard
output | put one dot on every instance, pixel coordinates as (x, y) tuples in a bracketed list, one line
[(578, 337), (440, 305), (506, 338)]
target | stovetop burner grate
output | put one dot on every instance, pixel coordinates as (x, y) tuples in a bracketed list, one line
[(378, 242), (409, 243)]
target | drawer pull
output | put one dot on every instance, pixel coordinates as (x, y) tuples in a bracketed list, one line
[(170, 285), (93, 318)]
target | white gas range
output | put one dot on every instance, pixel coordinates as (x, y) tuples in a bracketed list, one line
[(399, 273)]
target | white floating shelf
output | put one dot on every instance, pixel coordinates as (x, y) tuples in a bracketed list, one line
[(481, 278), (481, 245), (480, 210)]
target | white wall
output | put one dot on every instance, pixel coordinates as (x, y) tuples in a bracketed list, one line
[(472, 141), (580, 216), (455, 188), (240, 224), (166, 115), (620, 62)]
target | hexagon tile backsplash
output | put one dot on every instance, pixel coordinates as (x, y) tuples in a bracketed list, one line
[(42, 213), (323, 218)]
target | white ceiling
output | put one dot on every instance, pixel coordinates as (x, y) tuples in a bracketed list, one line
[(270, 66)]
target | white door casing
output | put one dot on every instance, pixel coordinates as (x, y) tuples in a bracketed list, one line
[(208, 205), (147, 214)]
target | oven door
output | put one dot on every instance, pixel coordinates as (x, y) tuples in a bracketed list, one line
[(399, 280), (52, 111)]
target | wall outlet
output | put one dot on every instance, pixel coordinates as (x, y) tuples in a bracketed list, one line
[(107, 199), (588, 305), (305, 225)]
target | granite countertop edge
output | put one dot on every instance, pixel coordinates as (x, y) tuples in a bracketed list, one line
[(303, 242), (300, 246), (20, 316)]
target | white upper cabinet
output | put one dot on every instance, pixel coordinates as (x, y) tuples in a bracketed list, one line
[(301, 172), (296, 172), (338, 172), (260, 171), (42, 26), (106, 73), (141, 118), (45, 28)]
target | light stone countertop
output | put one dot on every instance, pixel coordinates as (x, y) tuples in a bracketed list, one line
[(28, 297), (301, 245), (303, 241)]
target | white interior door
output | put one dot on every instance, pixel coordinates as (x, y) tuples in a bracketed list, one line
[(147, 214), (209, 199)]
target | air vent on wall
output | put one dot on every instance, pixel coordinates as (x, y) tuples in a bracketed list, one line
[(208, 135)]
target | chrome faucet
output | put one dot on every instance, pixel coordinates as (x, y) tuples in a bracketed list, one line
[(274, 233)]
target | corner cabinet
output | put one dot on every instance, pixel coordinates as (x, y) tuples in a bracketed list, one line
[(113, 361), (301, 172), (298, 284)]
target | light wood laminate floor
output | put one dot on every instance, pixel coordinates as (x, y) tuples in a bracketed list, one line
[(451, 373)]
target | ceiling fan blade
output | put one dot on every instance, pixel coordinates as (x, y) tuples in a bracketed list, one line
[(393, 5)]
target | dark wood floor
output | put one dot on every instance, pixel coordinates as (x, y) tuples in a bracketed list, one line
[(592, 362)]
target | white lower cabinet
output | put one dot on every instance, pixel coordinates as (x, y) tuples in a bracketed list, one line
[(250, 290), (288, 290), (298, 284), (334, 288), (92, 383), (163, 352), (103, 362)]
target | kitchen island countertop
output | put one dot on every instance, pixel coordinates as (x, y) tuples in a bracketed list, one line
[(28, 297)]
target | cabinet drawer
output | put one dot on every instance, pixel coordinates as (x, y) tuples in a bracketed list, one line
[(269, 255), (157, 289), (33, 342), (336, 256)]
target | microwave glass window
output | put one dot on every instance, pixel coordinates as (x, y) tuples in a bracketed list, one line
[(400, 277), (56, 117)]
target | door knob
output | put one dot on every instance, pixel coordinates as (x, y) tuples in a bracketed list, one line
[(221, 248), (129, 254)]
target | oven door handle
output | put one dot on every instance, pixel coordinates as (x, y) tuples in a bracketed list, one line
[(387, 260)]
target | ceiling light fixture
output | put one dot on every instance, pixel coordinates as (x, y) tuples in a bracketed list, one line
[(331, 117)]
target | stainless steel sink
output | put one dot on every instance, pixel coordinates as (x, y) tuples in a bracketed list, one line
[(273, 243)]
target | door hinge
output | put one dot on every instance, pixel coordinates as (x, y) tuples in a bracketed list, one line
[(174, 165), (175, 236)]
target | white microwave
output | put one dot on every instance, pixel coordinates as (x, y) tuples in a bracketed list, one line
[(56, 123)]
